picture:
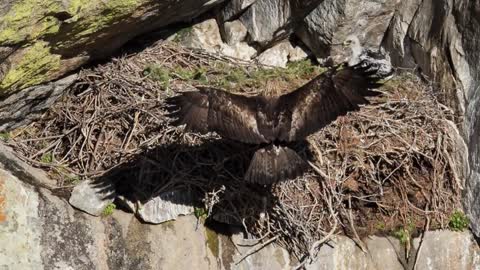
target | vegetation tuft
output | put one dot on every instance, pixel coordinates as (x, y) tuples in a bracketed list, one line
[(108, 210), (458, 221)]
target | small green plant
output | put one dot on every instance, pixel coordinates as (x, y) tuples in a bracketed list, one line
[(4, 136), (200, 212), (458, 221), (47, 158), (402, 234), (380, 226), (73, 180), (108, 210), (158, 73)]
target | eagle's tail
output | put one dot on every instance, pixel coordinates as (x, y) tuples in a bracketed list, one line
[(273, 164)]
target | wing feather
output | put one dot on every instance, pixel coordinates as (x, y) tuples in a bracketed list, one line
[(322, 100), (209, 109)]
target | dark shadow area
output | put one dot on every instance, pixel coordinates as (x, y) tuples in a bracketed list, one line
[(209, 174)]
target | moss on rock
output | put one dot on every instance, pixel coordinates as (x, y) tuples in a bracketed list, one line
[(35, 65), (90, 17), (27, 20)]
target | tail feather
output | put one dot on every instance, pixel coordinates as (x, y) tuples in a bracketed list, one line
[(273, 164)]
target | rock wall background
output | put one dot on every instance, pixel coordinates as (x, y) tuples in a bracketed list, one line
[(43, 40)]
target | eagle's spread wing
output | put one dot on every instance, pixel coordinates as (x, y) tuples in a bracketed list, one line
[(322, 100), (232, 116)]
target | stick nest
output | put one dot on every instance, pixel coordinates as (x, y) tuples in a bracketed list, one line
[(386, 167)]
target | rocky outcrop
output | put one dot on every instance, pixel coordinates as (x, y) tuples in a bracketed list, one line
[(467, 71), (42, 41), (39, 230), (332, 21), (441, 38), (23, 107)]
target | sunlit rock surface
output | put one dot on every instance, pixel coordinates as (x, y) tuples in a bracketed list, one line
[(42, 40)]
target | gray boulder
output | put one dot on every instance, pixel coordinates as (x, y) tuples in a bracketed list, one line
[(24, 107), (91, 197), (166, 206), (332, 21), (235, 32), (233, 8), (40, 43)]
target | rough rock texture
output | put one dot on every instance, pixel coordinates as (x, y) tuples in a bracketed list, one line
[(23, 107), (41, 40), (442, 38), (11, 163), (204, 35), (343, 253), (166, 206), (235, 32), (277, 56), (332, 21), (39, 230), (91, 198), (296, 53), (240, 50), (467, 14), (447, 250), (282, 17), (276, 12), (233, 8)]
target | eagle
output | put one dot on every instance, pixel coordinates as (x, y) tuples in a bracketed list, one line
[(275, 123)]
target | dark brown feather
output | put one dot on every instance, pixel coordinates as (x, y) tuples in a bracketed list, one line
[(271, 120), (232, 116), (322, 100), (273, 164)]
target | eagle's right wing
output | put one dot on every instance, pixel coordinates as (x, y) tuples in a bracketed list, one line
[(322, 100), (231, 116)]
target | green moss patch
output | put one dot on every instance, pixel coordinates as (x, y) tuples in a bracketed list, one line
[(27, 20), (35, 66)]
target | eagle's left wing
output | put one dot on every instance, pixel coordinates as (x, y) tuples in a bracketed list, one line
[(322, 100), (230, 115)]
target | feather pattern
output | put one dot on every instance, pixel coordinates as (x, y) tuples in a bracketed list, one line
[(277, 120)]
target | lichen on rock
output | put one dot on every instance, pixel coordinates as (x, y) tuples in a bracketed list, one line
[(27, 20), (33, 65)]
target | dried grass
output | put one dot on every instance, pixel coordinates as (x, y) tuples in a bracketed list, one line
[(373, 171)]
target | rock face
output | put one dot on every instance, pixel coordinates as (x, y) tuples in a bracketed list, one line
[(467, 72), (206, 35), (166, 206), (66, 34), (282, 17), (442, 39), (41, 231), (235, 32), (453, 251), (332, 21), (234, 7), (23, 107), (90, 198)]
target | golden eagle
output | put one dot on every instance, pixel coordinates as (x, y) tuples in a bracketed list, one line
[(275, 122)]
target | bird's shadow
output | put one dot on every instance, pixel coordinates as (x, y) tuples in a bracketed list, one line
[(208, 174)]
